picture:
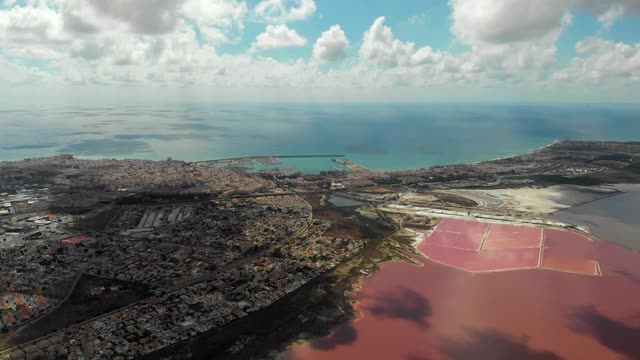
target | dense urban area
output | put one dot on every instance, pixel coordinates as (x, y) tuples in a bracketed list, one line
[(123, 259)]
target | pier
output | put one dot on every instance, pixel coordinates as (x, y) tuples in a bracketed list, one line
[(263, 157)]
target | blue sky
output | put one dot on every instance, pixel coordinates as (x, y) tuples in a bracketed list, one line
[(431, 24), (309, 50)]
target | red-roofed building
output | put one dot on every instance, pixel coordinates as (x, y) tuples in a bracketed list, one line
[(77, 239)]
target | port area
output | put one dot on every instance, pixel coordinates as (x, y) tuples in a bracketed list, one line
[(351, 165), (281, 165), (290, 165), (265, 159)]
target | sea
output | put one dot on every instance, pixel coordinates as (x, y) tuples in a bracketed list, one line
[(377, 136)]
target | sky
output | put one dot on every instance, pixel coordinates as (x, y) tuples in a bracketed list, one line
[(184, 51)]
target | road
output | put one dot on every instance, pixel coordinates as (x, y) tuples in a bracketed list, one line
[(176, 287), (47, 313)]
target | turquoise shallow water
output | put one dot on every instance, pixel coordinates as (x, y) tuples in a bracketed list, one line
[(308, 165), (375, 136)]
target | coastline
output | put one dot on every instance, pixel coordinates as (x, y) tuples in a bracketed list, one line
[(381, 229), (533, 151), (329, 166)]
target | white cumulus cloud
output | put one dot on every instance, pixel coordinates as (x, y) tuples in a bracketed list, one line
[(608, 11), (281, 11), (331, 46), (221, 13), (603, 61), (158, 44), (505, 21), (278, 36), (426, 55), (140, 16), (303, 11), (380, 47), (28, 25)]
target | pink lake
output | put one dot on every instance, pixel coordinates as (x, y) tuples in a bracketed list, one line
[(434, 311)]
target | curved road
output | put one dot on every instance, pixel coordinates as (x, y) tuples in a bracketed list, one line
[(47, 313)]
